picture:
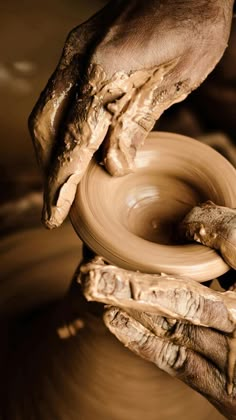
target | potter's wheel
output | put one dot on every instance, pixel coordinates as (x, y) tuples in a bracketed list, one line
[(30, 273), (36, 267)]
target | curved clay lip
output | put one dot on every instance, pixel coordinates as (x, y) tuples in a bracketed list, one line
[(104, 206)]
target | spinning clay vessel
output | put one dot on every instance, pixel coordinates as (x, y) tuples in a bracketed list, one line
[(131, 221)]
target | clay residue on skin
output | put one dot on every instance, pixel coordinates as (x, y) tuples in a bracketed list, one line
[(132, 102), (163, 295), (231, 304), (49, 111), (213, 226), (170, 296), (231, 362), (85, 132), (137, 113)]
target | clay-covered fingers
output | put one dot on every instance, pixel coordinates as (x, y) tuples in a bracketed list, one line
[(213, 226), (166, 295), (177, 360), (208, 342), (85, 128), (150, 93), (124, 106), (114, 83), (66, 114), (51, 108)]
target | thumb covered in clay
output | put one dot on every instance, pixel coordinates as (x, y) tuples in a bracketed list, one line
[(213, 226)]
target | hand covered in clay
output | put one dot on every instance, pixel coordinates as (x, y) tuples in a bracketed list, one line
[(184, 327), (118, 72)]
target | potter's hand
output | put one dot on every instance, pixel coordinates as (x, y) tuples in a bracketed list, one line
[(183, 327), (190, 340), (118, 72)]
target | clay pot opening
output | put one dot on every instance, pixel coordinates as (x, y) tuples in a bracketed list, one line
[(153, 209), (131, 221)]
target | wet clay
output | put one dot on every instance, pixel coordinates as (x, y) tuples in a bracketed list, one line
[(213, 226), (134, 101), (164, 294), (130, 220)]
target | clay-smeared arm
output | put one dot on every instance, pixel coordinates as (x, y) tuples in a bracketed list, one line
[(119, 71)]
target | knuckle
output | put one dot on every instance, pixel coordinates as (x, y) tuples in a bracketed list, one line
[(73, 35), (147, 346), (162, 327), (171, 357), (178, 331), (185, 334), (189, 303)]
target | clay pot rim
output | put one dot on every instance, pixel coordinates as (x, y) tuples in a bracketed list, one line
[(195, 261)]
